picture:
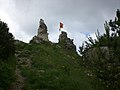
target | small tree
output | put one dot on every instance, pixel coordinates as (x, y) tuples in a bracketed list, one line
[(115, 25), (6, 41)]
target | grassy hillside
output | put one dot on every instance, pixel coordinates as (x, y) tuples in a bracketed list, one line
[(50, 67)]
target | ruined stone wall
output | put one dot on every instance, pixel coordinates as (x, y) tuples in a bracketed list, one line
[(67, 42)]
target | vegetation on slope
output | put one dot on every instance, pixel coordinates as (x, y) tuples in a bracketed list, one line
[(51, 67), (7, 58)]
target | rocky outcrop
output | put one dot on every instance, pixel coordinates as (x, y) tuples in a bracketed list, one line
[(67, 42), (42, 37), (42, 33), (96, 52)]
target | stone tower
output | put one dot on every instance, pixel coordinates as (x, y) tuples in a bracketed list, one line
[(42, 34), (42, 30)]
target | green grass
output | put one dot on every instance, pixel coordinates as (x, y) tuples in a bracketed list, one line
[(54, 68)]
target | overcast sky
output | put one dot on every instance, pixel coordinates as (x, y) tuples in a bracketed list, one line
[(80, 17)]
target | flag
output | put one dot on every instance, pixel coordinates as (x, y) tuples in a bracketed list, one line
[(61, 25)]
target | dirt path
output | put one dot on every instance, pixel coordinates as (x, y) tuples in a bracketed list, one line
[(23, 60), (19, 83)]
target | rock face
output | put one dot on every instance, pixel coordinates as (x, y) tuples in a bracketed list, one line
[(94, 53), (42, 33), (67, 42)]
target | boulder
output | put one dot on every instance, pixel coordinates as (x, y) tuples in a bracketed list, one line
[(96, 53)]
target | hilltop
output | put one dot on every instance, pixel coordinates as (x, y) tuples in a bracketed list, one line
[(49, 66), (43, 65)]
